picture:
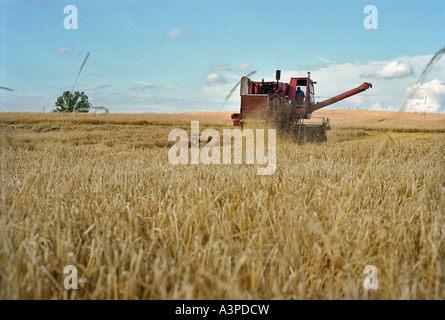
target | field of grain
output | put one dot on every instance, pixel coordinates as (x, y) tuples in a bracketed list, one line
[(98, 192)]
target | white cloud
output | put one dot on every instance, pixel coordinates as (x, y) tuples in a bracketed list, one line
[(217, 90), (376, 106), (214, 78), (175, 33), (63, 50), (147, 84), (245, 66), (226, 67), (324, 60), (220, 67), (26, 103), (99, 75), (430, 97), (394, 69), (142, 82)]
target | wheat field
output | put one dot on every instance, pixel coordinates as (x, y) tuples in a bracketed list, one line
[(98, 192)]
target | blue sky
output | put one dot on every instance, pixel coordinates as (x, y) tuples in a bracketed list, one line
[(186, 55)]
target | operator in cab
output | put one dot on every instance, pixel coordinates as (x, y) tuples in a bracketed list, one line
[(299, 96)]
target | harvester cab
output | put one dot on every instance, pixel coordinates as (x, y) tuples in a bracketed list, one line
[(304, 85), (287, 105)]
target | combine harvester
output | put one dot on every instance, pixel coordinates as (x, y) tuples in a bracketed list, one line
[(277, 102)]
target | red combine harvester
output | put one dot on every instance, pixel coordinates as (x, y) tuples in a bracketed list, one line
[(278, 102)]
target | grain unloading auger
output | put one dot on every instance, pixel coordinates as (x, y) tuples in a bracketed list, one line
[(279, 102)]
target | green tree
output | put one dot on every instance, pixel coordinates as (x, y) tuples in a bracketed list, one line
[(72, 102)]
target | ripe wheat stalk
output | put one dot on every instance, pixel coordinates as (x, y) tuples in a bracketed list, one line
[(100, 194)]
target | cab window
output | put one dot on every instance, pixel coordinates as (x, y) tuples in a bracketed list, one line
[(311, 93)]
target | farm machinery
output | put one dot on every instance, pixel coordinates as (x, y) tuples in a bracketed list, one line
[(287, 105)]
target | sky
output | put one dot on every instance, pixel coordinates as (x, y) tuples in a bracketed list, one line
[(175, 56)]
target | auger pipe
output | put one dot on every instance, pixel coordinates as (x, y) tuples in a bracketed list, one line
[(322, 104)]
